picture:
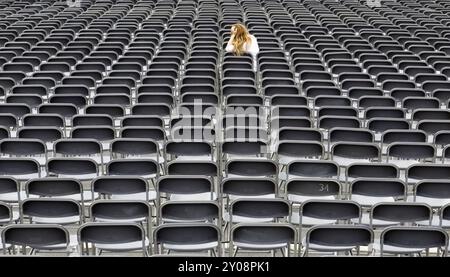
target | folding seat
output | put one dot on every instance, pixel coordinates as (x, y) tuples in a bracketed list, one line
[(39, 237), (49, 120), (335, 238), (329, 122), (126, 187), (272, 236), (95, 75), (113, 98), (312, 169), (105, 46), (430, 114), (113, 237), (30, 148), (433, 193), (244, 100), (346, 135), (416, 70), (200, 80), (147, 168), (115, 111), (419, 172), (20, 168), (123, 66), (160, 98), (433, 126), (311, 83), (383, 77), (79, 101), (345, 76), (173, 237), (433, 86), (387, 112), (55, 66), (72, 90), (31, 100), (111, 55), (348, 84), (64, 110), (369, 191), (105, 60), (201, 66), (79, 81), (412, 240), (122, 210), (275, 74), (399, 213), (346, 153), (429, 80), (148, 132), (341, 68), (405, 154), (316, 91), (50, 211), (402, 93), (193, 132), (241, 73), (238, 81), (321, 212), (175, 188), (290, 110), (77, 55), (291, 150), (300, 134), (237, 89), (17, 76), (205, 59), (189, 121), (188, 151), (79, 148), (334, 110), (23, 59), (413, 103), (413, 63), (189, 212), (274, 66), (375, 101), (380, 125), (317, 74), (202, 72), (47, 134), (22, 67), (154, 88), (371, 170), (91, 120), (282, 99), (196, 168), (375, 70), (357, 92)]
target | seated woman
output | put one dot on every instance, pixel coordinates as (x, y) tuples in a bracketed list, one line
[(242, 42)]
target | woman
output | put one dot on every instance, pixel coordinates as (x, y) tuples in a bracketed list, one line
[(242, 42)]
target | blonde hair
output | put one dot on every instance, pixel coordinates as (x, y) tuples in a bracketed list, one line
[(241, 36)]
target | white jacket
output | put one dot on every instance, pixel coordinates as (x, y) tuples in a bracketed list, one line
[(251, 48)]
